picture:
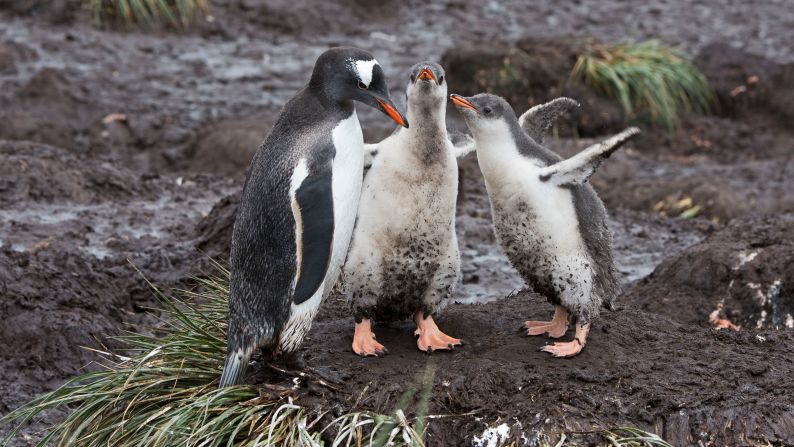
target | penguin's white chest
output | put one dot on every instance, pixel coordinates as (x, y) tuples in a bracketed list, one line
[(522, 203), (348, 168), (527, 211), (346, 177)]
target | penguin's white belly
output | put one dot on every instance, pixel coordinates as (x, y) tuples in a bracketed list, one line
[(347, 173), (408, 260), (538, 228)]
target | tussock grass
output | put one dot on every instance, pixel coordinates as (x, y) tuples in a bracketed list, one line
[(163, 390), (646, 77), (148, 13)]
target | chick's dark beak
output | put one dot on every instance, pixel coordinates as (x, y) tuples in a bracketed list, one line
[(425, 73), (462, 102), (388, 108)]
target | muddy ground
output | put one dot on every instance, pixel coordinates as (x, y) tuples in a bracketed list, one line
[(122, 154)]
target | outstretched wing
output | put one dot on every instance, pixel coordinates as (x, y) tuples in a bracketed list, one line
[(463, 147), (579, 168), (538, 120), (313, 210)]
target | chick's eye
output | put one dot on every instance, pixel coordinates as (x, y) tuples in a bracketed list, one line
[(362, 86), (413, 78), (441, 79), (487, 110)]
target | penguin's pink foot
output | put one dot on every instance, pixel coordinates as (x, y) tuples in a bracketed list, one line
[(364, 343), (430, 336), (570, 348), (556, 328)]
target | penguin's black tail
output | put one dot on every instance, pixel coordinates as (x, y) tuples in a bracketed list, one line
[(234, 367)]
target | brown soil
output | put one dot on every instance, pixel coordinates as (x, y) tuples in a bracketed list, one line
[(689, 384), (118, 146)]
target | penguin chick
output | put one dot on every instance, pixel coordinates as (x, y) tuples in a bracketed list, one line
[(404, 259), (298, 207), (547, 217)]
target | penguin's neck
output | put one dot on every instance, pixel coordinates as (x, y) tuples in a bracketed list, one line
[(329, 101), (498, 153), (428, 128)]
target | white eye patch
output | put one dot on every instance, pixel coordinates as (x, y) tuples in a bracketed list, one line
[(364, 70)]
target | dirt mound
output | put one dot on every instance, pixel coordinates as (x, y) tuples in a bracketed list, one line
[(214, 232), (747, 83), (693, 386), (748, 267), (226, 148), (50, 109), (35, 172)]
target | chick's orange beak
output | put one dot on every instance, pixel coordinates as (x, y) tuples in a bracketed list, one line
[(462, 102), (393, 113), (426, 74)]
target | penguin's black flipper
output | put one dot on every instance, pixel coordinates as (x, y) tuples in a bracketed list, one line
[(313, 210), (538, 120), (578, 169)]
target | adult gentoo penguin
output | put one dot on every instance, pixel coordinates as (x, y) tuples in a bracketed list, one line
[(404, 259), (298, 207), (547, 217)]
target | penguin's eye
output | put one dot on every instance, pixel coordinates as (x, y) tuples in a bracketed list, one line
[(441, 79), (487, 110), (362, 86), (413, 78)]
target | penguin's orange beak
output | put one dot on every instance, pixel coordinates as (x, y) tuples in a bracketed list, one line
[(427, 74), (392, 112), (462, 102)]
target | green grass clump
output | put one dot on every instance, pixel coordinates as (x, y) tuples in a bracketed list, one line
[(163, 391), (148, 13), (646, 77)]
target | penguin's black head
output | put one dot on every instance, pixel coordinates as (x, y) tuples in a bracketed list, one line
[(485, 113), (427, 85), (352, 74)]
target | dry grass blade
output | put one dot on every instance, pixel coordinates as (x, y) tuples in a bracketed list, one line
[(163, 390), (646, 78), (634, 437)]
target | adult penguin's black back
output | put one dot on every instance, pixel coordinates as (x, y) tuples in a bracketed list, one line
[(298, 208)]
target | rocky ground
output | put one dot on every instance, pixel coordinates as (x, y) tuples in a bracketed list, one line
[(122, 155)]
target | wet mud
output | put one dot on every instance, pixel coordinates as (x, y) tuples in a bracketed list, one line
[(122, 156)]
